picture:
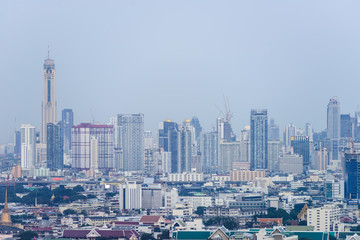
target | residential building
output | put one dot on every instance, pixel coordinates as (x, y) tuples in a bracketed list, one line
[(273, 155), (333, 128), (245, 145), (323, 218), (130, 196), (129, 140), (209, 152), (246, 175), (28, 148), (229, 153), (81, 150)]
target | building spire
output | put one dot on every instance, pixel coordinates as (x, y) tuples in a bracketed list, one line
[(48, 51), (5, 216)]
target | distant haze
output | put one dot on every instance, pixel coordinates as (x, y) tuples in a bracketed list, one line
[(176, 59)]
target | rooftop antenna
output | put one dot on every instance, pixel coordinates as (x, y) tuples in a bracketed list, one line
[(48, 51)]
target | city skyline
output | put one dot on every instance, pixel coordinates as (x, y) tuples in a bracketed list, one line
[(297, 79)]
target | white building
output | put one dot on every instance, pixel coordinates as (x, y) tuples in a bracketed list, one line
[(323, 218), (28, 148), (130, 196), (292, 164), (49, 99), (186, 177)]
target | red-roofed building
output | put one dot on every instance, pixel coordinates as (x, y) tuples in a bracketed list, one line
[(153, 220), (100, 233)]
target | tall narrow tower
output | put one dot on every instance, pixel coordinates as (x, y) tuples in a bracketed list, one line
[(49, 100)]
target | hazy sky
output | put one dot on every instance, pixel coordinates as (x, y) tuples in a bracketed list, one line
[(175, 59)]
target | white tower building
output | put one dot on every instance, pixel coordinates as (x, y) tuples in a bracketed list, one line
[(28, 151), (49, 100)]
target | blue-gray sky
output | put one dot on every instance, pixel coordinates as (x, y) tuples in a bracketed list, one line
[(176, 59)]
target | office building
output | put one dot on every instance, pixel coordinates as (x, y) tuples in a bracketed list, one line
[(245, 145), (290, 131), (17, 143), (352, 175), (246, 175), (229, 153), (49, 98), (291, 164), (333, 128), (323, 218), (186, 139), (309, 131), (258, 139), (152, 197), (321, 159), (81, 146), (130, 196), (273, 155), (346, 126), (209, 152), (149, 142), (274, 131), (129, 139), (67, 122), (54, 147), (28, 148), (301, 146), (168, 140)]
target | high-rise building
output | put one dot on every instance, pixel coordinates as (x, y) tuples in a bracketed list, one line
[(245, 145), (67, 122), (258, 139), (320, 159), (301, 146), (324, 218), (291, 164), (352, 175), (274, 131), (168, 140), (81, 149), (148, 140), (130, 196), (229, 153), (186, 139), (309, 131), (54, 147), (94, 156), (129, 138), (196, 124), (17, 143), (290, 131), (49, 99), (209, 152), (28, 144), (273, 155), (333, 127), (346, 126)]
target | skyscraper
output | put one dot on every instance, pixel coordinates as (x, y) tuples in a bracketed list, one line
[(28, 144), (168, 140), (258, 139), (333, 127), (346, 126), (245, 145), (129, 138), (309, 131), (54, 147), (352, 175), (17, 143), (67, 122), (186, 137), (301, 146), (274, 132), (273, 155), (49, 100), (81, 146), (209, 152), (290, 131)]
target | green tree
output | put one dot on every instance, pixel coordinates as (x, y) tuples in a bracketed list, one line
[(200, 210), (165, 235), (78, 188), (69, 211), (147, 236), (28, 235)]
